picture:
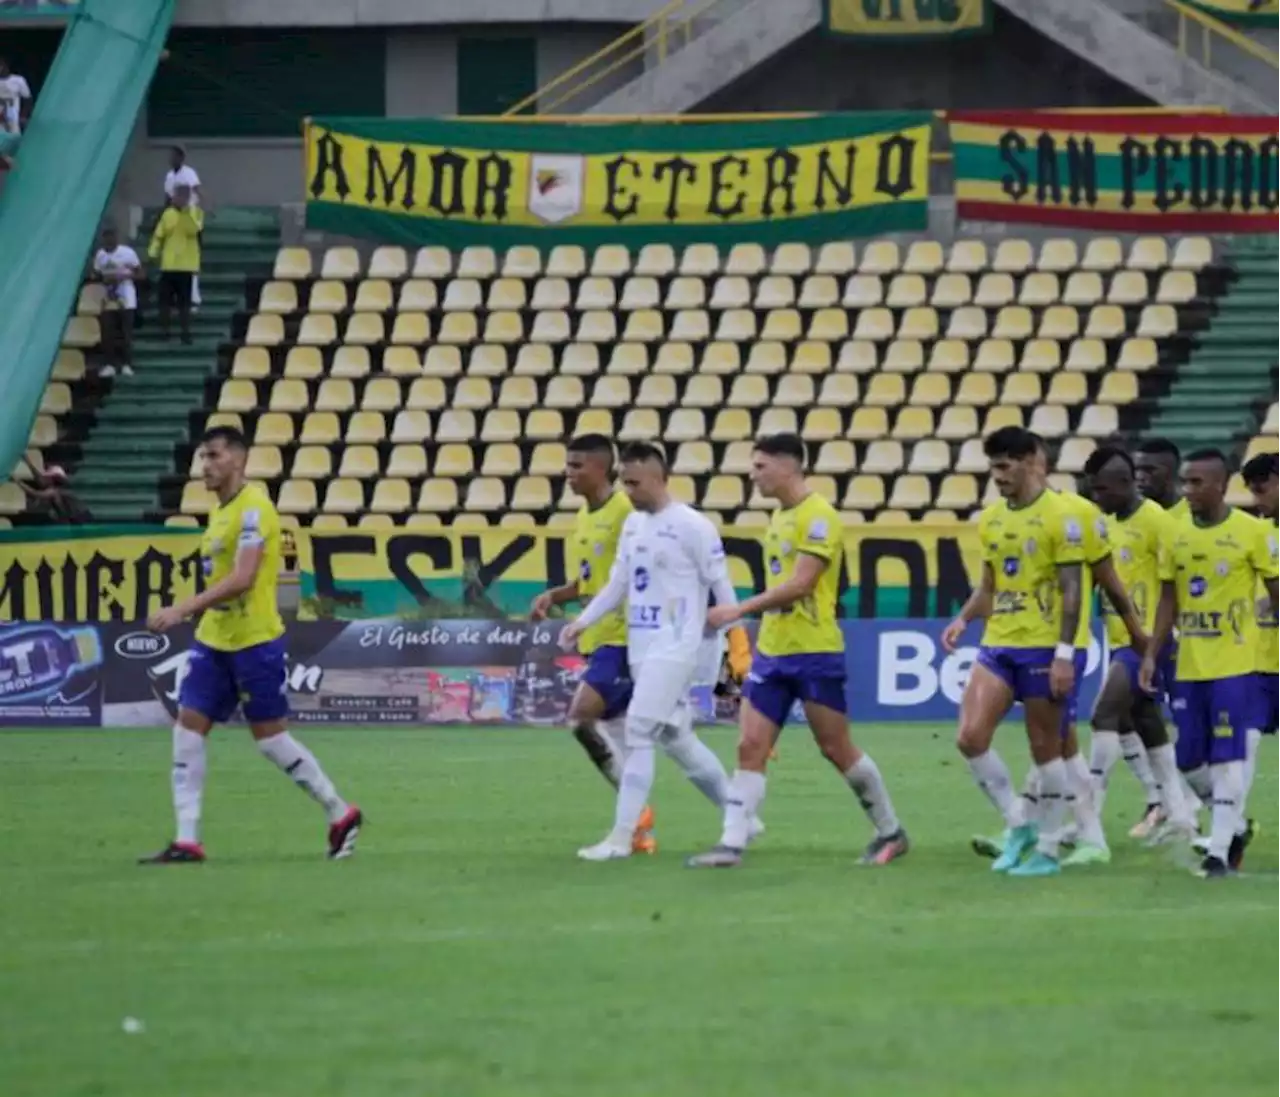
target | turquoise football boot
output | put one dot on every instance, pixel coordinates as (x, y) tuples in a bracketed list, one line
[(1019, 842), (1038, 864)]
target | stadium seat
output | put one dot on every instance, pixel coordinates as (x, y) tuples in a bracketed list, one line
[(438, 496), (1039, 289), (292, 264), (1193, 253), (868, 423), (296, 497), (1013, 257), (958, 424), (433, 262), (566, 261), (1058, 256), (968, 257), (1149, 253), (278, 297), (1138, 355), (388, 262), (477, 262), (821, 424), (418, 295), (1049, 421), (341, 262), (655, 261), (791, 259), (1103, 253), (838, 258), (523, 262), (994, 356)]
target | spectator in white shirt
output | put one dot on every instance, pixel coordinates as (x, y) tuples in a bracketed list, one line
[(117, 265), (182, 174), (15, 99)]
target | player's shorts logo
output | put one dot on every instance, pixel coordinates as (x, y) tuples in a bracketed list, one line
[(1197, 585), (1011, 566), (641, 580)]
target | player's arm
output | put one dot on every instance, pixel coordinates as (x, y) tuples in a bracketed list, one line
[(610, 597), (1062, 670), (240, 579), (1263, 558), (553, 596), (1166, 614), (801, 585), (1108, 580), (976, 607)]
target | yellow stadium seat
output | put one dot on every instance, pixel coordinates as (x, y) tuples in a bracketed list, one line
[(548, 459), (344, 497), (1177, 287), (701, 260), (312, 463), (868, 423), (1261, 444), (1050, 421), (811, 357), (864, 492), (320, 428), (485, 494), (768, 357), (503, 328), (824, 486), (924, 257), (1118, 388), (536, 360), (1013, 257), (674, 358), (656, 261), (408, 461), (518, 392), (56, 399), (747, 259), (785, 325), (971, 458), (264, 463), (411, 426), (976, 390), (685, 293), (1149, 253), (438, 496), (531, 493), (69, 365), (388, 262), (329, 522), (341, 262), (639, 425), (596, 327), (994, 356), (776, 291), (611, 261), (930, 456), (858, 356), (473, 392), (459, 328), (658, 391), (919, 323), (253, 363), (967, 257), (551, 293), (778, 421), (334, 394), (913, 423), (286, 395), (1158, 322), (1105, 322), (1013, 322), (931, 390), (644, 326), (477, 262), (1001, 416), (736, 326), (839, 390), (274, 428), (1041, 356), (703, 391), (593, 421), (822, 423), (1059, 322), (836, 456), (880, 257), (375, 521), (1138, 355), (682, 489), (904, 356), (911, 492), (686, 425), (580, 360), (1238, 495), (876, 325), (1039, 289), (885, 390), (1059, 256), (724, 493), (957, 424), (951, 291), (501, 425), (433, 262), (958, 491), (1086, 356), (326, 297), (366, 427), (456, 425), (359, 463), (1073, 454), (298, 497), (1128, 287), (1099, 421), (792, 259), (994, 291), (1103, 253), (949, 356), (596, 293), (1021, 388), (1193, 253), (907, 291), (428, 393), (795, 390), (418, 295), (691, 326), (567, 261), (819, 291), (368, 329), (749, 392), (264, 331), (463, 295), (835, 258), (399, 361), (640, 293), (968, 323), (863, 291), (501, 459), (829, 325), (737, 459), (1084, 289), (611, 392), (317, 330), (182, 521), (1271, 422), (731, 425), (506, 294), (693, 458), (278, 297), (382, 394), (730, 292), (293, 264)]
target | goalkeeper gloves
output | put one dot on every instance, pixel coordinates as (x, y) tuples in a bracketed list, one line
[(738, 655)]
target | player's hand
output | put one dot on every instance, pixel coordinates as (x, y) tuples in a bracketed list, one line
[(1062, 677), (569, 636), (164, 619), (719, 617), (541, 606), (952, 633), (1147, 675)]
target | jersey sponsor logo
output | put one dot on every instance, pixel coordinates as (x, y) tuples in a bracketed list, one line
[(1009, 601), (1073, 532), (645, 617), (641, 579), (818, 530), (1197, 586), (1011, 566)]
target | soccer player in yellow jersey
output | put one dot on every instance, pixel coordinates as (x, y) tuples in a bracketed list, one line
[(1260, 476), (1156, 462), (599, 708), (799, 657), (238, 659), (1139, 530), (1209, 578)]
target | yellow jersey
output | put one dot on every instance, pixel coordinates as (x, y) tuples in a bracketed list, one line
[(1025, 547), (1268, 639), (247, 521), (1215, 571), (176, 240), (1097, 547), (1137, 544), (810, 626), (594, 546), (1179, 511)]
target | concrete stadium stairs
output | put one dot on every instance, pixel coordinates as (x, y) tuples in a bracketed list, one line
[(1218, 397), (144, 417)]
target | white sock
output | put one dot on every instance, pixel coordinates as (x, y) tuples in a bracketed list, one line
[(1165, 767), (1253, 740), (188, 782), (992, 777), (700, 765), (1194, 801), (1135, 757), (746, 794), (1080, 802), (633, 791), (604, 743), (1053, 805), (1200, 783), (300, 764), (1104, 753), (1228, 799), (868, 786), (1027, 807)]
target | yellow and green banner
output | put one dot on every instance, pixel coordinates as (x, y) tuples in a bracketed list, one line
[(37, 9), (1117, 172), (907, 19), (95, 573), (1258, 13), (454, 183), (887, 571)]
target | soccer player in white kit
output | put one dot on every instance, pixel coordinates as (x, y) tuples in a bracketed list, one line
[(669, 563)]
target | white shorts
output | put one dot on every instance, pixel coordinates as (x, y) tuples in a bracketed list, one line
[(661, 689)]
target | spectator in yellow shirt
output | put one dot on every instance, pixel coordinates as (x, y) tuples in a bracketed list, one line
[(176, 244)]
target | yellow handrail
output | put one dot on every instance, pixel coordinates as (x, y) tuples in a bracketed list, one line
[(1212, 27)]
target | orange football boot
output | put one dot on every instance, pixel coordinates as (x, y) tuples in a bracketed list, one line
[(643, 840)]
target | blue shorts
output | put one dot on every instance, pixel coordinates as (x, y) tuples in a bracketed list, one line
[(1267, 697), (1213, 718), (1167, 671), (776, 682), (1026, 672), (610, 676), (1071, 710), (252, 678), (1131, 661)]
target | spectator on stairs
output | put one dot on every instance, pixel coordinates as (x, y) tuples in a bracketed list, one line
[(15, 100), (183, 174), (117, 265), (176, 244)]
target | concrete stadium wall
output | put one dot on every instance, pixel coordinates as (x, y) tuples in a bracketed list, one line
[(389, 13)]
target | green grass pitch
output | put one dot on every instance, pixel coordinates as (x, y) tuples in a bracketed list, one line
[(465, 952)]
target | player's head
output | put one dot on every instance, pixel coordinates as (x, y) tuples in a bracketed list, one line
[(1204, 481), (223, 452), (1156, 466), (1042, 455), (1109, 479), (110, 238), (182, 195), (1260, 477), (177, 157), (777, 463), (589, 465), (644, 475), (1012, 454), (4, 67)]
